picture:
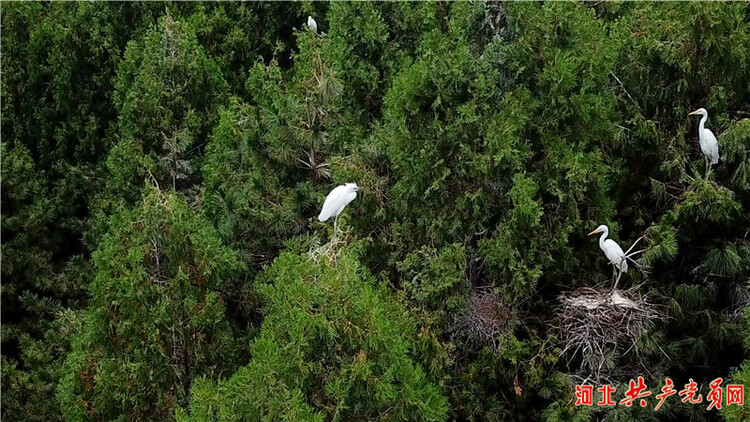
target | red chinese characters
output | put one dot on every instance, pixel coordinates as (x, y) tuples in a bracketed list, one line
[(666, 391), (636, 392), (584, 395), (689, 392), (735, 394), (714, 397), (606, 391)]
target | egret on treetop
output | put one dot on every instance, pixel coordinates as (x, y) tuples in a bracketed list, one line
[(336, 201), (707, 140), (312, 24), (614, 253)]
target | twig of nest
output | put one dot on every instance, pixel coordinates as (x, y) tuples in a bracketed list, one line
[(485, 318), (330, 250), (597, 327)]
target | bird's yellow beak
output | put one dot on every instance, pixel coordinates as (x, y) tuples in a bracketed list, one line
[(693, 112), (594, 232)]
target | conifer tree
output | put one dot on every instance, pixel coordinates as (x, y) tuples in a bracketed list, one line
[(237, 35), (167, 94), (489, 138), (334, 345), (267, 163), (368, 42), (58, 69), (36, 290), (156, 319)]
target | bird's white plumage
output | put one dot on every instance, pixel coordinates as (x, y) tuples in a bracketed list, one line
[(706, 139), (709, 146), (614, 253), (339, 198), (611, 249), (312, 24)]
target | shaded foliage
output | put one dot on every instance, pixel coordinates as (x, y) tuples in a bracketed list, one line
[(333, 345), (163, 165), (156, 318)]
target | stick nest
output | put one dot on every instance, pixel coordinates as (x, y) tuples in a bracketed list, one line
[(596, 328), (329, 252), (485, 318)]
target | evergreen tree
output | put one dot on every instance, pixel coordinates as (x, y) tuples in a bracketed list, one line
[(267, 165), (237, 35), (35, 291), (334, 345), (156, 318), (368, 42), (489, 138), (58, 69), (167, 94)]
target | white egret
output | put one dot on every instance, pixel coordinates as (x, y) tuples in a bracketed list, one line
[(335, 202), (312, 24), (707, 140), (614, 253)]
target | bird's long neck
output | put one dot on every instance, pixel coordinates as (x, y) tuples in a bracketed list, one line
[(603, 237), (703, 122)]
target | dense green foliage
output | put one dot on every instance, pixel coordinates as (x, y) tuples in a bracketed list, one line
[(331, 340), (163, 165)]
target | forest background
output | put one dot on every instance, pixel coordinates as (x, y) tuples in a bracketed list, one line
[(163, 165)]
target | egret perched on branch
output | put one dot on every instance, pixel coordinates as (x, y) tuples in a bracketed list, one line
[(312, 24), (335, 202), (614, 253), (707, 140)]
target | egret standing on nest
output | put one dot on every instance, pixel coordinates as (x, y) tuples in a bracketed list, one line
[(335, 202), (707, 140), (312, 24), (614, 253)]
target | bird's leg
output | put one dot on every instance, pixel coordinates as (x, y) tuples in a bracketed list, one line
[(335, 221), (617, 279), (708, 168)]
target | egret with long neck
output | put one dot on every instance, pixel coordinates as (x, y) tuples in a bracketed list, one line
[(614, 253), (707, 140)]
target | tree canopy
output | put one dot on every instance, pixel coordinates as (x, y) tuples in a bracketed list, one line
[(163, 165)]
